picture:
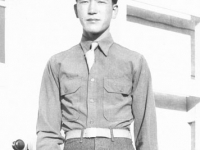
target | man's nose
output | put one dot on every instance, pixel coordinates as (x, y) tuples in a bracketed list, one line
[(92, 8)]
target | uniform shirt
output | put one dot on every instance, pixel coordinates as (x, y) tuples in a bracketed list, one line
[(116, 91)]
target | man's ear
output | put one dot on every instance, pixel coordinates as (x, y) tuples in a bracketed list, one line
[(75, 10), (115, 11)]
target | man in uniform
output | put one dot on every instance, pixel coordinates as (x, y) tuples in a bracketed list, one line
[(95, 90)]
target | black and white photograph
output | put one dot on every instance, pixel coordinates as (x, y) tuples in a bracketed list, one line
[(100, 74)]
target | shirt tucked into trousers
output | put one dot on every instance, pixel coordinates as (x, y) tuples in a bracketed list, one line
[(115, 92)]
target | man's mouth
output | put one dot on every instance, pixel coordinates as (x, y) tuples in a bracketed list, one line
[(93, 20)]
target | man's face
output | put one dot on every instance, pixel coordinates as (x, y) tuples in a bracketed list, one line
[(95, 15)]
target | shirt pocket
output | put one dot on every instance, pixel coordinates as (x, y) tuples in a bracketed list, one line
[(117, 99), (70, 98)]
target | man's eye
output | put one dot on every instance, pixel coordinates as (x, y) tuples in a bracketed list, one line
[(82, 2), (103, 2)]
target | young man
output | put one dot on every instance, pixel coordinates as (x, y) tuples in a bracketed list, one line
[(95, 90)]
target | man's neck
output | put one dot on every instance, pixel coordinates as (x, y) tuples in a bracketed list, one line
[(96, 37)]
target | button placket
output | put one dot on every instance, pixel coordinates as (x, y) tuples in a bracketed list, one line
[(91, 102), (91, 122)]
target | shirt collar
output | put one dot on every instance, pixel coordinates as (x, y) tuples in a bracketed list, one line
[(104, 41)]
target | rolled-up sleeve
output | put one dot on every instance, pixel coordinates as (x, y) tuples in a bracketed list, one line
[(49, 115), (145, 125)]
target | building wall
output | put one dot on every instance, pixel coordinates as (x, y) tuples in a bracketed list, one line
[(170, 74), (196, 85), (35, 30), (168, 49), (2, 66)]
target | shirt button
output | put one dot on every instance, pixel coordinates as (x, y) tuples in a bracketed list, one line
[(91, 100), (92, 79)]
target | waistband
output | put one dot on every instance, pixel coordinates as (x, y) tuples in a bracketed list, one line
[(98, 132)]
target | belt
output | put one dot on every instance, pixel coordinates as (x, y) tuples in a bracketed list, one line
[(98, 132)]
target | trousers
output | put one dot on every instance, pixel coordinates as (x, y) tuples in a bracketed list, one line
[(99, 143)]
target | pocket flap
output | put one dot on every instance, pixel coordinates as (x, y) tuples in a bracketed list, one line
[(69, 86), (118, 85)]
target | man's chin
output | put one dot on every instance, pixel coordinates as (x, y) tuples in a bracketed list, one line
[(94, 31)]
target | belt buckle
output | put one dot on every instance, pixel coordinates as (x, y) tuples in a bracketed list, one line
[(90, 132)]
